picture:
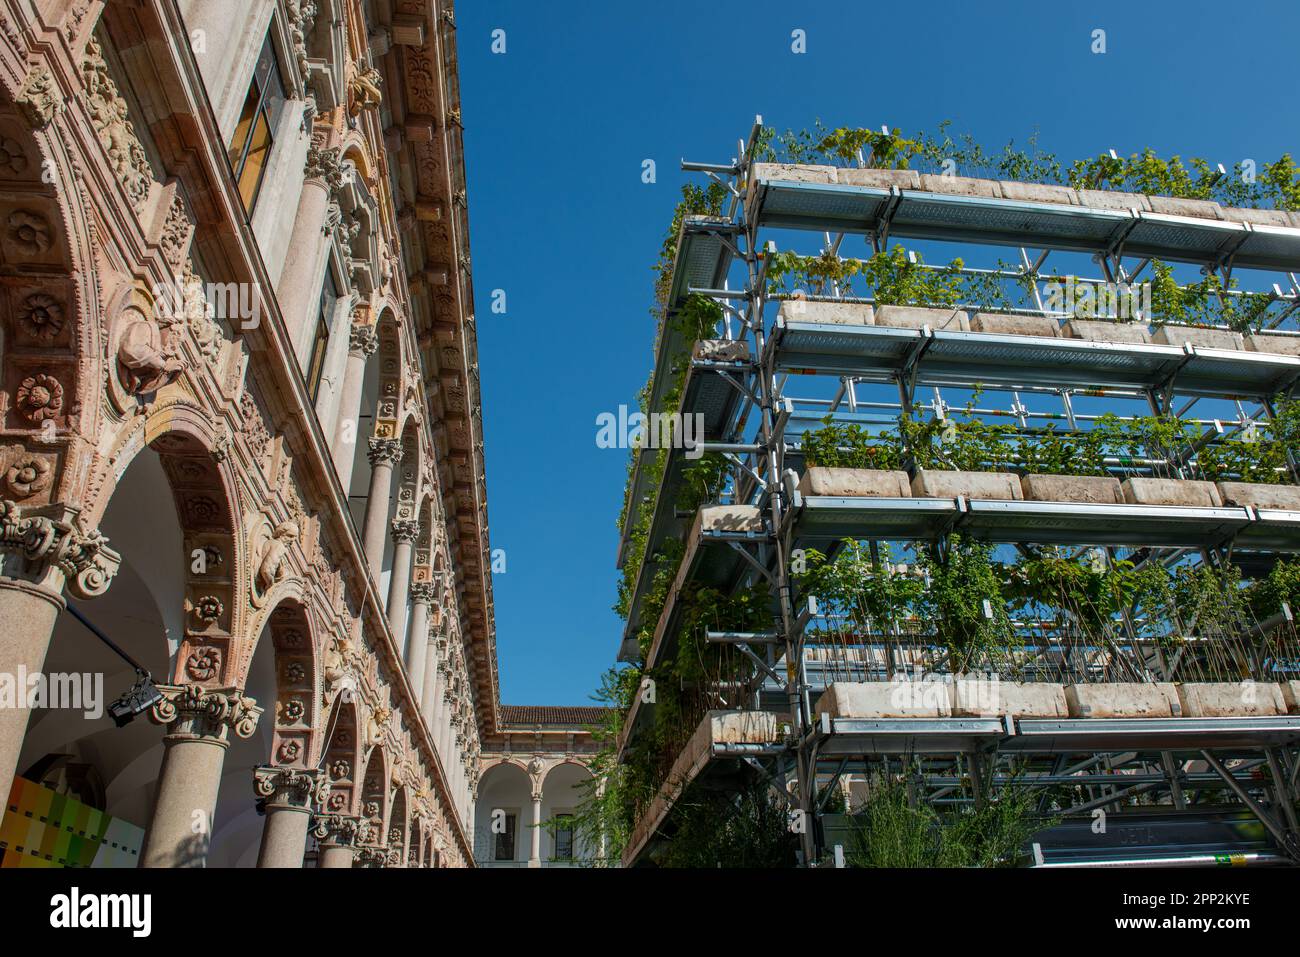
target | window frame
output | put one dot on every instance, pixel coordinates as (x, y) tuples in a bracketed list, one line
[(267, 94)]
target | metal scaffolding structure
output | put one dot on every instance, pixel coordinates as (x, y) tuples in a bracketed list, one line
[(1180, 788)]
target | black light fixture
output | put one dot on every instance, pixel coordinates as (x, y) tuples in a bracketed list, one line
[(141, 696)]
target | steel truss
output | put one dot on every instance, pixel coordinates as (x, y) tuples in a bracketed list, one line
[(1198, 779)]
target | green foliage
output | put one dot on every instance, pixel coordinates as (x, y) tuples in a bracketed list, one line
[(1281, 585), (1204, 303), (698, 318), (1209, 600), (969, 446), (897, 279), (867, 594), (964, 599), (702, 481), (892, 831), (1248, 456), (746, 829), (891, 277), (1275, 185), (851, 447)]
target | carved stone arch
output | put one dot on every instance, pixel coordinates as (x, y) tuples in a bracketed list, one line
[(422, 562), (205, 494), (397, 834), (296, 722), (388, 406), (373, 794), (342, 754), (51, 330), (407, 478)]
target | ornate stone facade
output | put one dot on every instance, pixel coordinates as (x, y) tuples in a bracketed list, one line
[(162, 316)]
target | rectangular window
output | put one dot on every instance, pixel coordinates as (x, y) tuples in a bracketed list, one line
[(564, 837), (329, 296), (505, 843), (254, 136)]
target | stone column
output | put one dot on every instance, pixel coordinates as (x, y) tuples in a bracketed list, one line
[(41, 551), (429, 687), (298, 291), (405, 532), (418, 647), (362, 343), (292, 795), (535, 855), (384, 454), (199, 721), (338, 836)]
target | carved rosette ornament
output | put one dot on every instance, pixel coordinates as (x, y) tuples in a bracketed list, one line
[(384, 450), (337, 830), (296, 788), (197, 712), (46, 541)]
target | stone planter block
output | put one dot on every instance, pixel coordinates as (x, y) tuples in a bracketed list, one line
[(793, 172), (854, 483), (1123, 700), (1100, 330), (1230, 699), (1279, 345), (1291, 695), (831, 313), (1004, 325), (1177, 206), (960, 185), (1038, 192), (886, 699), (730, 518), (1260, 495), (1026, 699), (879, 178), (721, 350), (1113, 199), (1089, 489), (1257, 217), (1198, 336), (1161, 491), (914, 317), (941, 483)]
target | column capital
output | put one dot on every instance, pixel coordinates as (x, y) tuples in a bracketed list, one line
[(384, 450), (362, 341), (423, 593), (405, 530), (196, 712), (302, 789), (48, 550), (325, 165), (338, 830), (372, 855)]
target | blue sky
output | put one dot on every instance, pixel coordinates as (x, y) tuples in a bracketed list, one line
[(556, 130)]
